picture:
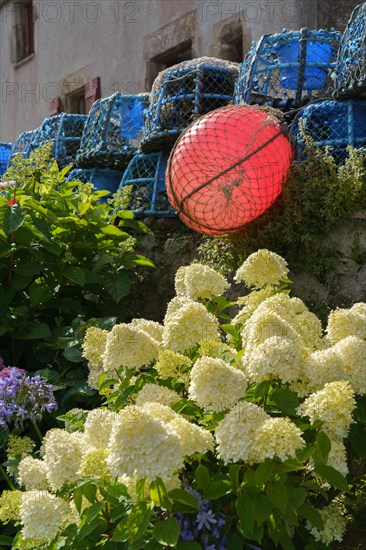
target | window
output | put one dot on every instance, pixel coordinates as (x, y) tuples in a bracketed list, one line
[(76, 102), (79, 100), (24, 30), (177, 54)]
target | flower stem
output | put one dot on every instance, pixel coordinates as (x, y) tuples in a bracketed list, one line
[(7, 478), (37, 430)]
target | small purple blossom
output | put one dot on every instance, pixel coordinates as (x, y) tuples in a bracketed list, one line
[(204, 519), (23, 397)]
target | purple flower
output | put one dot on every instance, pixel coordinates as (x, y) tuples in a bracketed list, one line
[(23, 397), (204, 519)]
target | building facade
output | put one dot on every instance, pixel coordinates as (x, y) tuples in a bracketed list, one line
[(62, 55)]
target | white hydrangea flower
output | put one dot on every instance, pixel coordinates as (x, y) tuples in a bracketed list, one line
[(235, 433), (321, 367), (335, 523), (174, 306), (97, 428), (153, 329), (262, 268), (129, 346), (333, 405), (193, 438), (94, 345), (347, 322), (250, 302), (276, 437), (63, 453), (32, 473), (275, 358), (352, 351), (264, 324), (155, 393), (94, 464), (337, 457), (43, 515), (215, 385), (143, 446), (188, 326), (172, 364), (199, 281)]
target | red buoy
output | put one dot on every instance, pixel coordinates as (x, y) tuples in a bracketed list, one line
[(228, 167)]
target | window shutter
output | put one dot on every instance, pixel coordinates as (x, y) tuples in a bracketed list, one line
[(92, 92), (55, 106)]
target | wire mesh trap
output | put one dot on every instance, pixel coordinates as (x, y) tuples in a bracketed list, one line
[(288, 70), (350, 71), (183, 93), (112, 132), (22, 145), (228, 167), (65, 131), (101, 178), (146, 175), (334, 124), (5, 152)]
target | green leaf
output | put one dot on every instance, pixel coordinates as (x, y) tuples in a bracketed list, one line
[(167, 532), (73, 354), (357, 438), (6, 541), (178, 495), (296, 496), (12, 218), (39, 292), (312, 514), (113, 231), (263, 472), (159, 494), (262, 509), (261, 389), (75, 275), (202, 477), (188, 545), (324, 444), (138, 520), (121, 532), (244, 508), (218, 489), (34, 331), (118, 285), (333, 477), (290, 465), (277, 494), (286, 400)]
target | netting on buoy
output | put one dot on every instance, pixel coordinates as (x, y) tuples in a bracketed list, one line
[(183, 93), (289, 69), (350, 71), (228, 167), (112, 131), (146, 175), (334, 124)]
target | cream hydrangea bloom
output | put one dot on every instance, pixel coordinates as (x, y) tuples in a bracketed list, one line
[(333, 405), (188, 326), (335, 523), (352, 351), (347, 322), (262, 268), (337, 457), (63, 453), (94, 464), (235, 433), (9, 506), (250, 302), (32, 473), (97, 428), (199, 281), (218, 350), (172, 364), (264, 324), (94, 345), (276, 437), (275, 358), (193, 438), (129, 346), (155, 393), (322, 367), (153, 329), (42, 514), (19, 446), (215, 385), (142, 446), (174, 307)]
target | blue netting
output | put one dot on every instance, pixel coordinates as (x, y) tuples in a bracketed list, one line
[(182, 94), (146, 174), (22, 145), (350, 72), (335, 124), (5, 152), (288, 70), (65, 131), (112, 131), (101, 178)]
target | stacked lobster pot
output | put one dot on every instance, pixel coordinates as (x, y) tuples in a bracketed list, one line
[(5, 153)]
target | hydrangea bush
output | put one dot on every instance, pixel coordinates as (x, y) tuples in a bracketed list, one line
[(215, 433)]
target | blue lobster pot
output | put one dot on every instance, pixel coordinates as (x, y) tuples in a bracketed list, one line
[(65, 132), (102, 179), (5, 152), (146, 175), (318, 55), (22, 145)]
